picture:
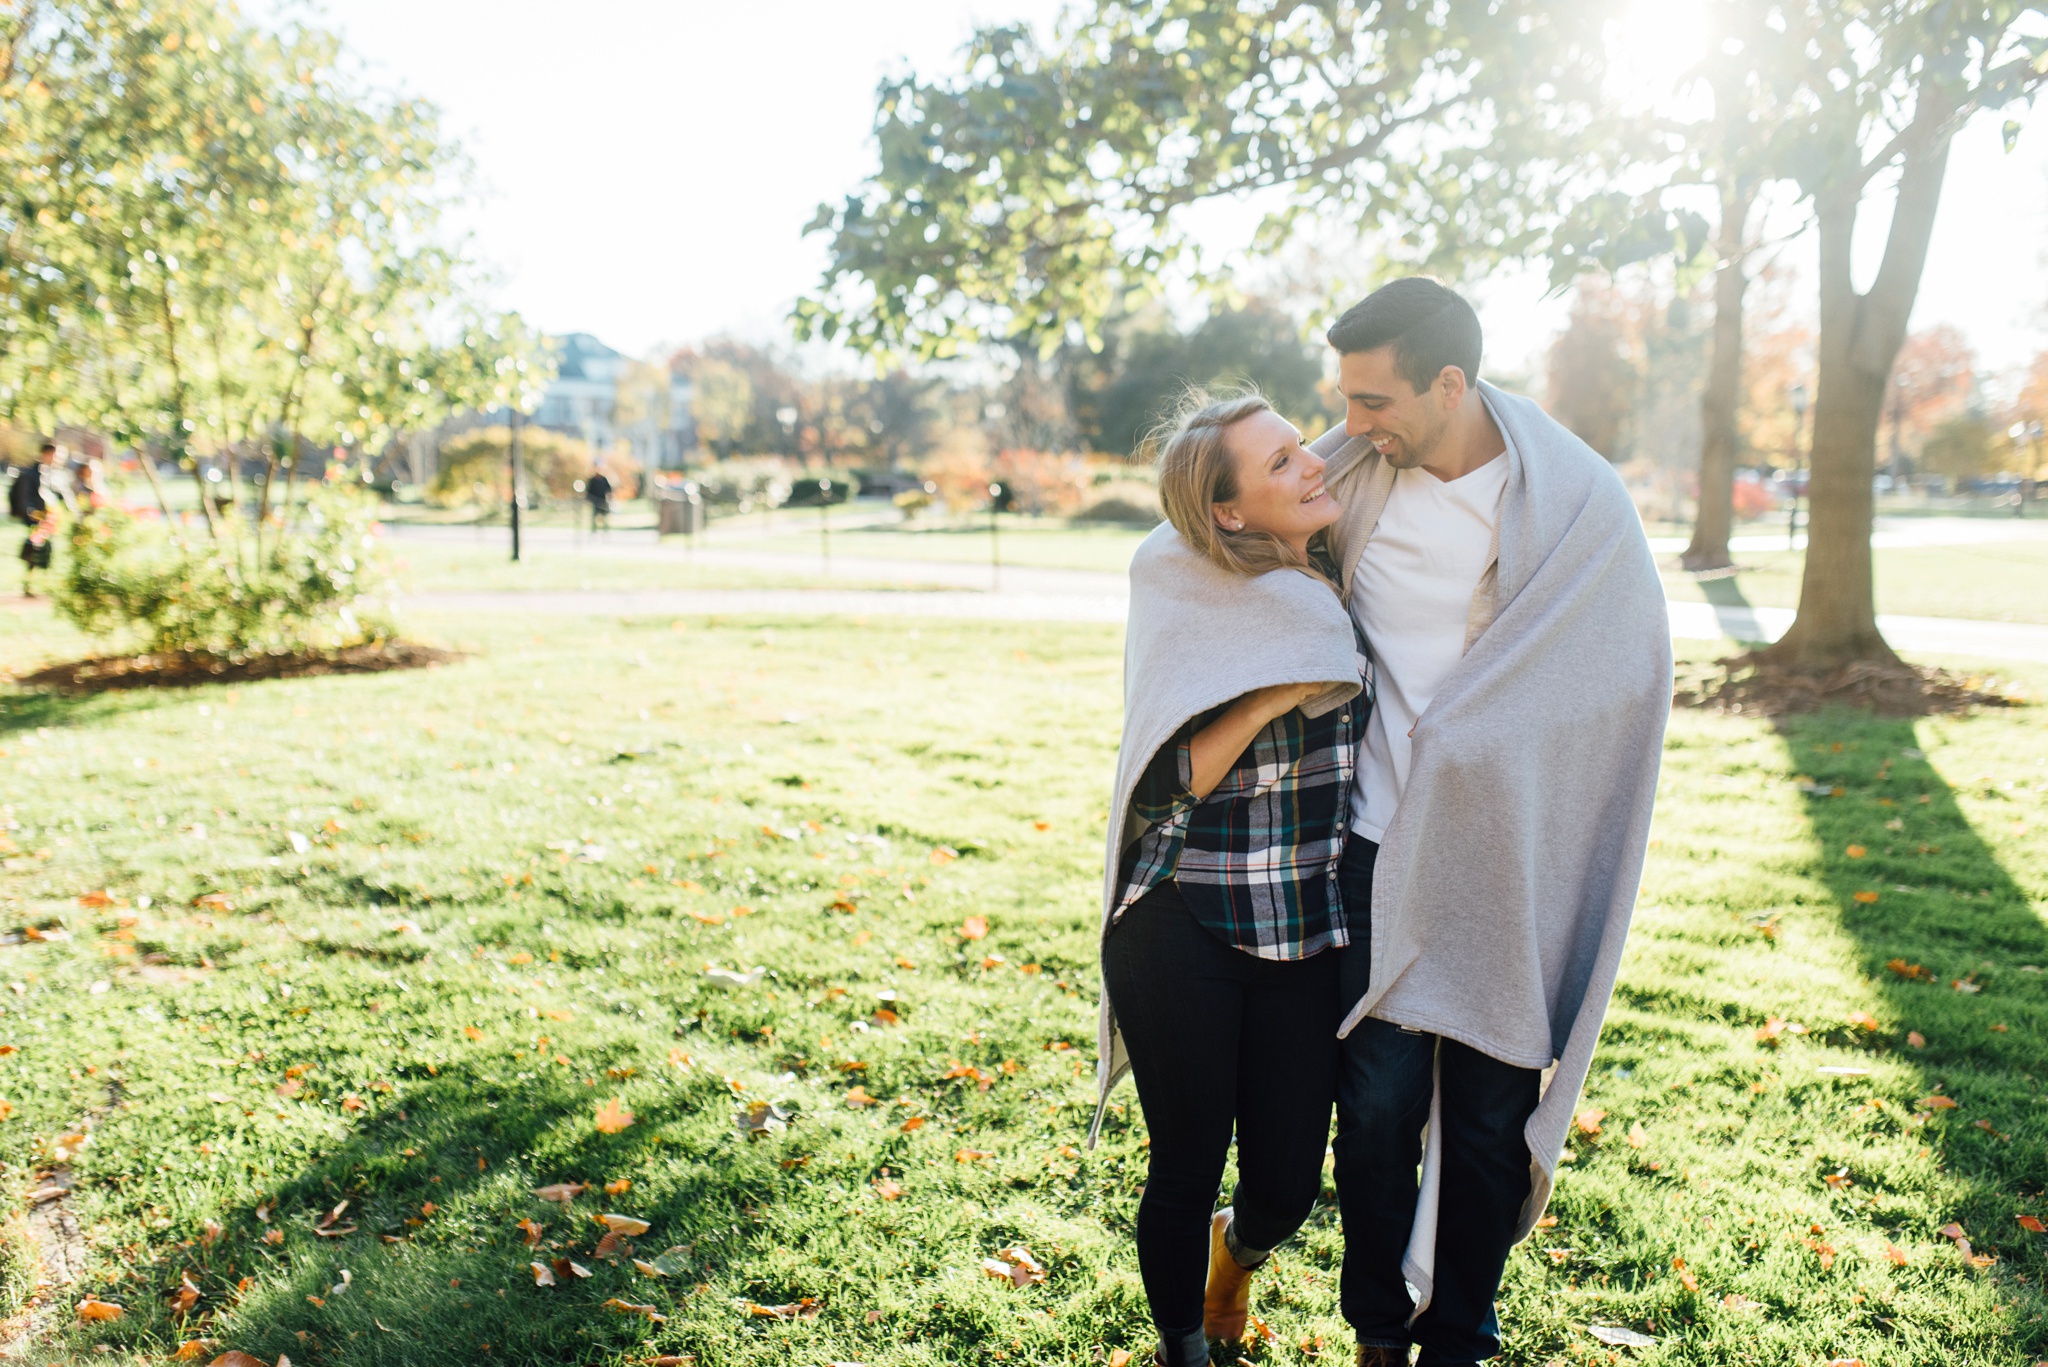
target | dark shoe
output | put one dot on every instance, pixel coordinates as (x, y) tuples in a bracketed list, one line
[(1370, 1355), (1229, 1297)]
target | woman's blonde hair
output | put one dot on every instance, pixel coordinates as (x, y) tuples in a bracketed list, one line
[(1196, 473)]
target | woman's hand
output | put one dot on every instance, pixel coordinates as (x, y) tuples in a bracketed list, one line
[(1216, 747), (1277, 700)]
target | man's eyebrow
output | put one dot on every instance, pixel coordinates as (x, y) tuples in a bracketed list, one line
[(1367, 395)]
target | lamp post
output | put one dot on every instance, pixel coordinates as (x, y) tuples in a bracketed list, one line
[(995, 559), (516, 470), (825, 522), (1798, 466)]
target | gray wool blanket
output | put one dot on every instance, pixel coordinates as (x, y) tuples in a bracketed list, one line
[(1503, 890), (1198, 637)]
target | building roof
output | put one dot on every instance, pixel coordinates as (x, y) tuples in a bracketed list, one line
[(583, 357)]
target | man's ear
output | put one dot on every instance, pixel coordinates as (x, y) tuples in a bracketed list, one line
[(1225, 515), (1450, 381)]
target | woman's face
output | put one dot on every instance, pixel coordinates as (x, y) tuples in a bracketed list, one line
[(1279, 482)]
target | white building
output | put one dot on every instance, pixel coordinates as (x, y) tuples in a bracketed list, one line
[(605, 398)]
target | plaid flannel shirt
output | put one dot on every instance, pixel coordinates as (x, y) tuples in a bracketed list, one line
[(1257, 858)]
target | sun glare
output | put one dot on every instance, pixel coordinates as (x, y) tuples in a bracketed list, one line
[(1652, 45)]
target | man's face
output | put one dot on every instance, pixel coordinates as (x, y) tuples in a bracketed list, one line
[(1383, 407)]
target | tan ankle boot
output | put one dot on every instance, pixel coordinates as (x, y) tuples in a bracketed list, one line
[(1229, 1298)]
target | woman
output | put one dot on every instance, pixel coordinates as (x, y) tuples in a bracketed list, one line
[(1243, 710)]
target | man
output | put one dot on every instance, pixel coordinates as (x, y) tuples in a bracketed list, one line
[(598, 490), (1500, 812), (27, 504)]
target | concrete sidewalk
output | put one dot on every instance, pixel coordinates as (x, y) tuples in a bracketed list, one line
[(1694, 621)]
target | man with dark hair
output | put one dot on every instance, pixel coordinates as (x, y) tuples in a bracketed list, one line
[(1500, 811), (27, 505)]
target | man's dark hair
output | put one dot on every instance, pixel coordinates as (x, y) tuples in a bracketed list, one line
[(1428, 326), (46, 446)]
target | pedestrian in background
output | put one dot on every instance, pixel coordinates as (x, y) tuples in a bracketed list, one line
[(598, 489), (29, 501)]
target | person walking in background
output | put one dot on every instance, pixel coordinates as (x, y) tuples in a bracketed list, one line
[(29, 501), (1501, 813), (1244, 702), (598, 490)]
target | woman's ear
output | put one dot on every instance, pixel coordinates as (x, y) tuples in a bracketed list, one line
[(1226, 517)]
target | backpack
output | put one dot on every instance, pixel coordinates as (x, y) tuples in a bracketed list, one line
[(18, 495)]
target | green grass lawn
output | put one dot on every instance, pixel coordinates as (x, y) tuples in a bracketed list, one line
[(527, 882), (2000, 581)]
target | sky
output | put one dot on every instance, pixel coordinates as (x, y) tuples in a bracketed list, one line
[(646, 167)]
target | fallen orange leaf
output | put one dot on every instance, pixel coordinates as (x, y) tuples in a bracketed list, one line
[(618, 1188), (1863, 1019), (2032, 1224), (888, 1189), (542, 1275), (1866, 897), (624, 1224), (1588, 1122), (91, 1309), (859, 1097), (915, 1122), (974, 928), (805, 1309), (1896, 1254), (531, 1230), (613, 1117), (1936, 1103), (565, 1192)]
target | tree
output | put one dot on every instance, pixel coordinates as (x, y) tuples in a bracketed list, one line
[(1934, 377), (1031, 200), (1594, 377), (1146, 362), (221, 244), (1884, 86)]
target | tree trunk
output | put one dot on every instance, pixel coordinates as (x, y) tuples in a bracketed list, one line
[(1860, 336), (1723, 393)]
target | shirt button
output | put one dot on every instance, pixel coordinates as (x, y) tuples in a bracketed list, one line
[(1345, 718)]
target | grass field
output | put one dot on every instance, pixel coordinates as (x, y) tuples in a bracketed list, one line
[(529, 894)]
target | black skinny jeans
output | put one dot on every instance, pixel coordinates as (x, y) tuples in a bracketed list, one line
[(1219, 1039), (1383, 1093)]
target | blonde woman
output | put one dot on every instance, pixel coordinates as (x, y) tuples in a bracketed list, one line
[(1244, 704)]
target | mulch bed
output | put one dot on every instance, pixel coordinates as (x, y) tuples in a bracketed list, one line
[(1746, 686), (189, 671)]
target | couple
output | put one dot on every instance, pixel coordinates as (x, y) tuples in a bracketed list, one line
[(1394, 704)]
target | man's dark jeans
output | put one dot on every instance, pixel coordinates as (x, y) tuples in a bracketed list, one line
[(1383, 1094)]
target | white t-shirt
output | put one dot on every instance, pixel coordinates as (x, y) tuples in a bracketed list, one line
[(1412, 592)]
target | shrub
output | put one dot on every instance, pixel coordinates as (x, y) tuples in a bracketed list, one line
[(1040, 482), (744, 483), (473, 467), (313, 587)]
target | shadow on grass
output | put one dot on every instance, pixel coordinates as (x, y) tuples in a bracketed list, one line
[(426, 1261), (1929, 905), (25, 709)]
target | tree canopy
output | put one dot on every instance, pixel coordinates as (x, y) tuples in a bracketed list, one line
[(213, 237)]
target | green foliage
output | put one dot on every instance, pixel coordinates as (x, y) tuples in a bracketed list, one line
[(1964, 445), (1145, 365), (220, 238), (1029, 198), (553, 462), (144, 581)]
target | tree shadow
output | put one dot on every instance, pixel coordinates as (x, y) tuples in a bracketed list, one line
[(421, 1204), (1734, 614), (1955, 955), (26, 709)]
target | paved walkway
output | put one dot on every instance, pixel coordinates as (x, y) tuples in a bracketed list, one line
[(1695, 621)]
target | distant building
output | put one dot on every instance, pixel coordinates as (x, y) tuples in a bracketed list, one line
[(606, 398)]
